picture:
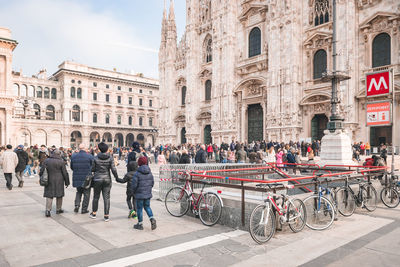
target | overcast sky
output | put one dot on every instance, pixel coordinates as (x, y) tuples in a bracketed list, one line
[(121, 34)]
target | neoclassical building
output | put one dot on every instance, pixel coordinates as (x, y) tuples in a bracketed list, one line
[(76, 104), (254, 69)]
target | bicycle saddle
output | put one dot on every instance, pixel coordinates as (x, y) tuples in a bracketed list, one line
[(205, 182), (269, 185)]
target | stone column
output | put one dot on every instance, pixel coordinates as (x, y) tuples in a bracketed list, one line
[(243, 123)]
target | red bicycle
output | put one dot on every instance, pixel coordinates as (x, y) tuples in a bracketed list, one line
[(207, 205)]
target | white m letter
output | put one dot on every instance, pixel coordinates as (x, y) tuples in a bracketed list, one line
[(377, 86)]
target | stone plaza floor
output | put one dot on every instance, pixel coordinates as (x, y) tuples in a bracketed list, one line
[(28, 238)]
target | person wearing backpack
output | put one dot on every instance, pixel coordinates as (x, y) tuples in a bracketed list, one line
[(130, 198)]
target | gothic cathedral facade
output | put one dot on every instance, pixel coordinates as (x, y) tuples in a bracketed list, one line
[(248, 70)]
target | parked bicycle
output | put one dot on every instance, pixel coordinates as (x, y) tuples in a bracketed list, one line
[(321, 207), (289, 211), (347, 200), (390, 193), (207, 205)]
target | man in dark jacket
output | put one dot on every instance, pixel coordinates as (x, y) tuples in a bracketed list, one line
[(142, 184), (58, 177), (201, 155), (185, 158), (22, 162), (291, 159), (135, 153), (81, 165), (173, 158)]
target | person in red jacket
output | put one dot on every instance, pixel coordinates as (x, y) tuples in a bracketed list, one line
[(210, 151)]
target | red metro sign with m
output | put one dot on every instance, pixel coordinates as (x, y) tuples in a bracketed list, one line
[(378, 83)]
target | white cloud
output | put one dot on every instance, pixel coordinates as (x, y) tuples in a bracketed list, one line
[(50, 32)]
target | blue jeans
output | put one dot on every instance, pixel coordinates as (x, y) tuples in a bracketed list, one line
[(28, 169), (140, 204)]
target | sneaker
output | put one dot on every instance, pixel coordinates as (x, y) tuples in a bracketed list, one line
[(106, 218), (59, 211), (84, 211), (21, 184), (76, 209), (138, 226), (32, 176), (132, 214), (10, 187), (153, 223), (48, 213), (92, 215)]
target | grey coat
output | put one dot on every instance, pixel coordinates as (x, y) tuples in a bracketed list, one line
[(58, 176)]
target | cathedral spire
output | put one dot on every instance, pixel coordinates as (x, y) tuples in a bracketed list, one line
[(165, 11), (171, 11)]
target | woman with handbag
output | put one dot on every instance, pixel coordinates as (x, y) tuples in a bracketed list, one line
[(102, 165), (57, 178)]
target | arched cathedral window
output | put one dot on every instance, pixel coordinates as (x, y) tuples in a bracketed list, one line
[(321, 12), (255, 42), (381, 50), (183, 95), (319, 63), (208, 51), (208, 90)]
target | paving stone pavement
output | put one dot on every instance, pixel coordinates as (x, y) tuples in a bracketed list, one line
[(29, 239)]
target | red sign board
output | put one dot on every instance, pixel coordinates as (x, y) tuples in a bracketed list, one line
[(378, 83), (378, 113)]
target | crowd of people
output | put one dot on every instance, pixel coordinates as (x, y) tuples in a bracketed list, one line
[(91, 169)]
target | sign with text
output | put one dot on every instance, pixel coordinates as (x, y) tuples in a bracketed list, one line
[(378, 113), (378, 83)]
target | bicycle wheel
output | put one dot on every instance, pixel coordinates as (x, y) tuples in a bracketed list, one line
[(177, 201), (390, 197), (297, 215), (345, 201), (210, 209), (262, 223), (369, 200), (320, 212)]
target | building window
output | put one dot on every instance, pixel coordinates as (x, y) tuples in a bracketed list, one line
[(36, 109), (119, 88), (72, 92), (140, 102), (321, 12), (107, 119), (319, 63), (94, 84), (76, 113), (79, 82), (255, 42), (23, 90), (107, 86), (130, 89), (53, 93), (183, 97), (151, 92), (381, 50), (150, 103), (208, 90), (140, 121), (16, 89), (208, 49), (95, 96), (140, 91), (119, 119), (130, 120), (39, 92), (94, 117), (46, 92), (31, 91), (130, 100), (151, 122), (72, 81), (107, 98), (50, 113), (119, 99), (79, 93)]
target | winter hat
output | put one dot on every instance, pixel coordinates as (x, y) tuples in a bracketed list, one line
[(103, 147), (142, 161), (135, 145), (20, 147)]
